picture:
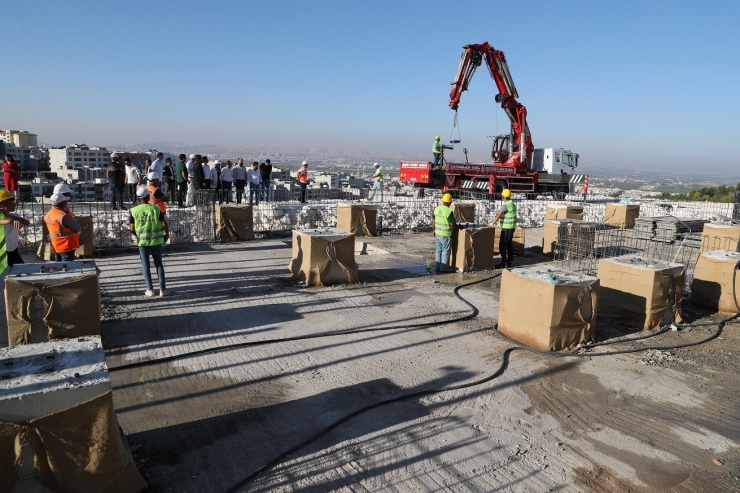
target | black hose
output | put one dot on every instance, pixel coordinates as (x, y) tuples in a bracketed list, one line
[(505, 357), (472, 314), (734, 291)]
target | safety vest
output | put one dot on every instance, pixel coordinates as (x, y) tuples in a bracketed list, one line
[(508, 221), (63, 239), (302, 175), (381, 175), (437, 147), (3, 248), (442, 226), (148, 227), (155, 201)]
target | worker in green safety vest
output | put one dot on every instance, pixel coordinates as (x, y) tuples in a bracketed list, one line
[(148, 225), (444, 225), (507, 217), (378, 179), (436, 151)]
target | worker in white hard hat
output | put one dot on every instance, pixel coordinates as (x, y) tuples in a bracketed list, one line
[(444, 225), (302, 178), (378, 179), (64, 231), (64, 189), (437, 151), (507, 217)]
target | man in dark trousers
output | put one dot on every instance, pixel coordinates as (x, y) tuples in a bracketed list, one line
[(266, 172), (181, 177), (508, 225), (116, 175)]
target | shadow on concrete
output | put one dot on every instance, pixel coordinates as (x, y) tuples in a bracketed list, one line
[(183, 456)]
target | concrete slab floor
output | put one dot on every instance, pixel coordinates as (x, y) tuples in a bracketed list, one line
[(651, 421)]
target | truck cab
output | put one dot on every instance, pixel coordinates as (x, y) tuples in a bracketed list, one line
[(553, 160)]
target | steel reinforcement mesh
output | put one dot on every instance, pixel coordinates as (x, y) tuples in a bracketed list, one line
[(398, 213), (580, 248)]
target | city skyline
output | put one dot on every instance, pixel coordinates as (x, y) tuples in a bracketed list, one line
[(625, 85)]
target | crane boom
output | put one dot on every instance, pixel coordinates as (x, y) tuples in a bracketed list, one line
[(512, 150)]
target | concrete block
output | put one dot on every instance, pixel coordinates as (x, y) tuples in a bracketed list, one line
[(358, 219), (323, 257), (52, 300), (464, 213), (713, 280), (621, 215), (41, 379), (60, 391), (558, 211), (471, 249), (720, 237), (642, 291), (565, 313)]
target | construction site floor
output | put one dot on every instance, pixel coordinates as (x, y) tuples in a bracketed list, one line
[(646, 421)]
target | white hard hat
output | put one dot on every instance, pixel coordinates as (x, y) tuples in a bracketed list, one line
[(57, 198), (192, 156), (216, 162), (376, 164), (142, 192), (113, 154), (304, 163), (61, 188), (152, 176)]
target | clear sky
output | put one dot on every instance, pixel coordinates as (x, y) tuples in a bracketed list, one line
[(650, 84)]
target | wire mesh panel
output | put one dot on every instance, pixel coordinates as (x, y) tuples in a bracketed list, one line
[(579, 249)]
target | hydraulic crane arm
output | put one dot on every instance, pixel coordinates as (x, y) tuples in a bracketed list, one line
[(520, 145)]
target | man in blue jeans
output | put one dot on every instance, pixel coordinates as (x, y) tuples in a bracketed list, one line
[(444, 225), (266, 173), (148, 225)]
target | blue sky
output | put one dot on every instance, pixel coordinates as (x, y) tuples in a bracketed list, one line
[(650, 84)]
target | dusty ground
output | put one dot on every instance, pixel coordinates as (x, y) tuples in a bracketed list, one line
[(649, 421)]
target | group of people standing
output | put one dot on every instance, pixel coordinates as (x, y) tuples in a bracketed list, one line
[(179, 182)]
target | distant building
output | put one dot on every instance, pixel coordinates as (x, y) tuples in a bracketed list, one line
[(64, 161), (20, 138), (332, 180), (285, 175), (30, 159), (352, 182)]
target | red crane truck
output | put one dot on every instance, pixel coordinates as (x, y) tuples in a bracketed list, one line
[(517, 165)]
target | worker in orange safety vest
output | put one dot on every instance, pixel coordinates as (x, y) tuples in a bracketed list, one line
[(157, 196), (64, 231)]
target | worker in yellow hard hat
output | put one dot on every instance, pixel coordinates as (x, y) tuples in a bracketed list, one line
[(437, 151), (507, 217), (444, 224)]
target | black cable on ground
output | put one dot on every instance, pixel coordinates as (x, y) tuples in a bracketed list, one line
[(494, 375), (472, 314)]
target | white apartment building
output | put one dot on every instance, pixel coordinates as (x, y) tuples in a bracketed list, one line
[(65, 161), (27, 157), (332, 180), (20, 138)]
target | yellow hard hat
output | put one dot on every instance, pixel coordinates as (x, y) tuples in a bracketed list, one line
[(5, 195), (436, 137), (446, 198), (506, 193)]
